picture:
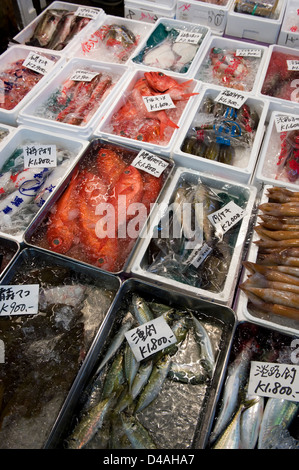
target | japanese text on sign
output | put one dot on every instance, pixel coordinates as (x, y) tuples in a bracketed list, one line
[(19, 299), (158, 102), (149, 338), (87, 12), (249, 52), (38, 63), (227, 216), (201, 255), (83, 76), (293, 64), (269, 379), (189, 37), (150, 163), (285, 123), (40, 156), (231, 98)]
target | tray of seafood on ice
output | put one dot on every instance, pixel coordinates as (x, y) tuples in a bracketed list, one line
[(196, 236), (23, 72), (33, 165), (268, 290), (114, 40), (278, 162), (149, 394), (173, 46), (74, 101), (58, 26), (150, 111), (9, 250), (231, 63), (221, 139), (258, 406), (97, 218), (47, 344), (280, 76)]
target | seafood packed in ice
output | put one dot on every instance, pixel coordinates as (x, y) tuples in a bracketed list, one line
[(43, 352), (230, 67), (99, 216), (56, 29), (263, 8), (186, 246), (110, 43), (251, 421), (272, 285), (222, 133), (24, 189), (288, 159), (135, 120), (16, 81), (76, 101), (281, 78), (8, 250), (143, 404), (171, 48)]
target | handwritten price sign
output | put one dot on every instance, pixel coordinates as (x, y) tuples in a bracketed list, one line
[(19, 299)]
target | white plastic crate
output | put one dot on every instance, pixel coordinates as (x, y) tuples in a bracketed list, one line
[(104, 129), (163, 35), (242, 167), (257, 28), (147, 11), (204, 13), (29, 115), (289, 32)]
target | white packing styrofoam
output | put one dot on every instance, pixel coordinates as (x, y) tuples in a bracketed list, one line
[(289, 32), (139, 264), (28, 114), (147, 11), (245, 159), (204, 13), (170, 24)]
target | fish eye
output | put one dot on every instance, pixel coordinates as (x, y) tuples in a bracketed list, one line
[(161, 74)]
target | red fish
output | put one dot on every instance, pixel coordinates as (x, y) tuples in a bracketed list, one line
[(152, 188), (110, 166), (161, 83)]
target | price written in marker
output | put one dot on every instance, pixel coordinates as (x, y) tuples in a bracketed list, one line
[(227, 216), (149, 338), (38, 63), (285, 123), (189, 37), (40, 156), (85, 12), (150, 163), (158, 102), (231, 98), (273, 380), (19, 299), (83, 75), (293, 64)]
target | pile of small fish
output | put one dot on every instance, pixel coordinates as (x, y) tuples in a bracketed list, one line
[(245, 421), (43, 352), (91, 219), (23, 191), (56, 29), (218, 132), (272, 287), (288, 159), (175, 251), (225, 68), (75, 102), (123, 392), (133, 120), (164, 51), (280, 79)]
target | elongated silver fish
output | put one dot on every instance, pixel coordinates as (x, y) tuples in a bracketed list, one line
[(251, 419), (206, 347), (136, 433), (131, 364), (141, 378), (142, 312), (115, 377)]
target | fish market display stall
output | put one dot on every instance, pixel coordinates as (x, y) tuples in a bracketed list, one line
[(74, 101), (258, 407), (98, 216), (150, 111), (173, 46), (220, 139), (9, 250), (289, 31), (23, 72), (196, 238), (59, 25), (280, 75), (268, 292), (46, 339), (33, 165), (232, 64), (278, 163), (115, 40), (143, 395)]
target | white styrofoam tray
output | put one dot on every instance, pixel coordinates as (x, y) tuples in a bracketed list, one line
[(138, 266), (25, 35), (248, 79), (204, 13), (148, 12), (20, 53), (91, 45), (245, 158), (289, 32), (10, 131), (276, 322), (104, 130), (25, 135), (154, 40), (28, 115), (257, 28)]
